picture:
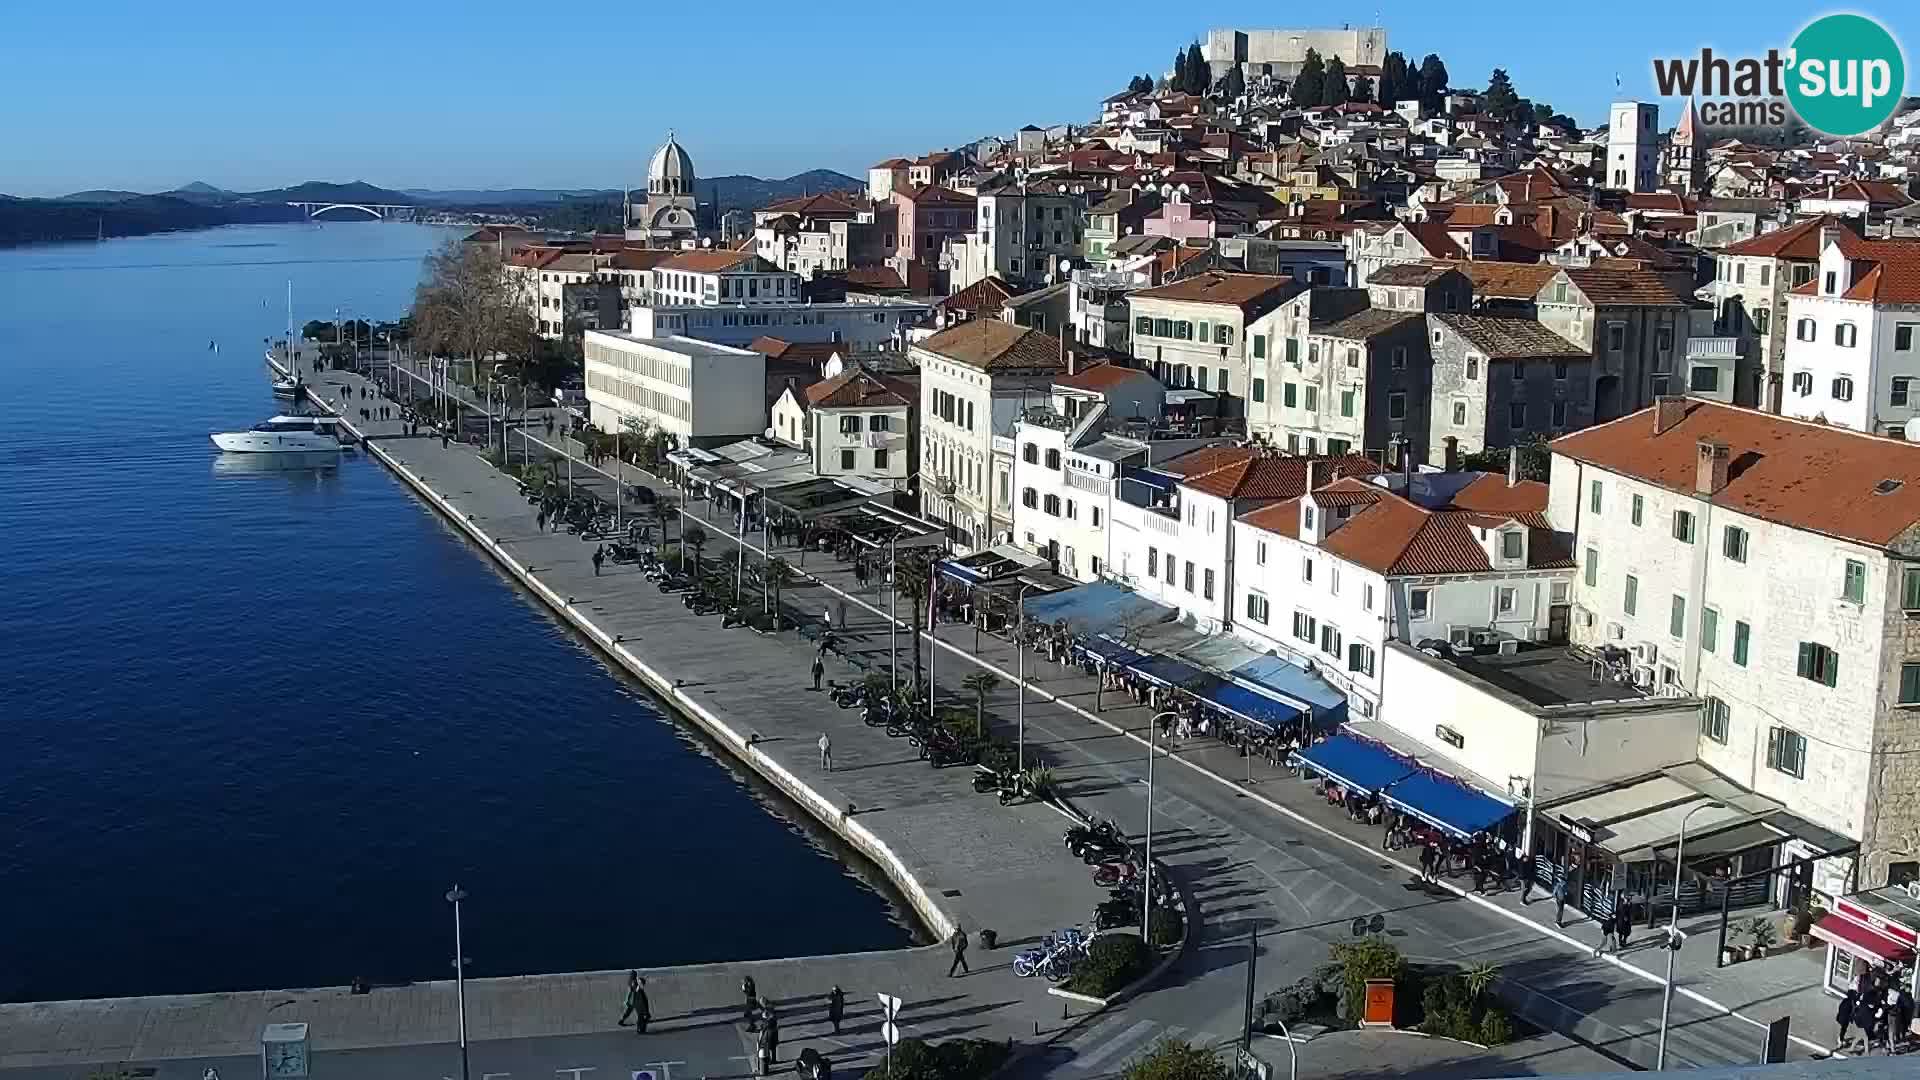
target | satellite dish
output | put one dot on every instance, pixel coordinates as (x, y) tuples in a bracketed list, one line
[(1066, 264), (769, 434), (1911, 432)]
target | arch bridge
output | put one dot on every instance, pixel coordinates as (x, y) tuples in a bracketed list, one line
[(382, 211)]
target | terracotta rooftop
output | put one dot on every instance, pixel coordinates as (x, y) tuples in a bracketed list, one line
[(987, 294), (1101, 377), (858, 388), (1623, 288), (1506, 280), (1275, 476), (1508, 338), (1205, 459), (1798, 241), (1394, 536), (992, 345), (1368, 323), (1248, 292), (709, 262), (640, 258), (1797, 473), (840, 203), (1415, 273)]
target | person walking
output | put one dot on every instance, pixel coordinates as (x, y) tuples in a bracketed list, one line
[(836, 1007), (818, 670), (959, 943), (1606, 934), (766, 1051), (633, 993), (1844, 1014), (1560, 899), (1526, 877), (599, 557), (1863, 1013), (1622, 921), (752, 1015), (769, 1033), (826, 752)]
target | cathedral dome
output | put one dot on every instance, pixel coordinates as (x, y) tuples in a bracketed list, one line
[(671, 171)]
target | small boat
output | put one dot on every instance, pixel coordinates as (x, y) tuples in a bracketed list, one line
[(289, 387), (283, 435)]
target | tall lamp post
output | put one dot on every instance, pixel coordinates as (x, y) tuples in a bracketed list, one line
[(454, 896), (1020, 682), (1673, 931), (1146, 884)]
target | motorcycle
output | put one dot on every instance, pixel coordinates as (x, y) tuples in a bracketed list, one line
[(986, 780), (849, 695), (1109, 874), (1100, 836)]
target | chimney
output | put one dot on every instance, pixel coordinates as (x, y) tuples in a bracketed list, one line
[(1513, 466), (1710, 468), (1453, 453), (1406, 463), (1313, 469), (1073, 362), (1668, 411)]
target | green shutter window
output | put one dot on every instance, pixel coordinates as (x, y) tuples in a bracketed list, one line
[(1677, 620), (1593, 567), (1910, 589), (1632, 601), (1346, 403), (1709, 629), (1204, 329), (1259, 389), (1288, 392), (1853, 582), (1293, 351), (1910, 684), (1593, 496), (1638, 505), (1742, 634), (1259, 346), (1803, 665)]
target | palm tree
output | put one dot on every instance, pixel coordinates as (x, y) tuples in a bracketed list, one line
[(696, 537), (911, 571), (980, 684), (777, 575)]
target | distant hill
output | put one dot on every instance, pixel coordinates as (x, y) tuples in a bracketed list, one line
[(39, 221), (501, 196), (359, 191), (98, 195), (200, 187), (753, 192)]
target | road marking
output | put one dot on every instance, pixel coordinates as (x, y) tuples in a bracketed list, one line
[(1126, 1041)]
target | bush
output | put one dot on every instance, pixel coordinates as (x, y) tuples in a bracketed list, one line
[(1293, 1003), (1114, 961), (1167, 927), (1454, 1009), (954, 1059), (1496, 1027), (1174, 1059), (1367, 958)]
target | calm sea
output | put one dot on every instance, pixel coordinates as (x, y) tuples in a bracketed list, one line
[(252, 726)]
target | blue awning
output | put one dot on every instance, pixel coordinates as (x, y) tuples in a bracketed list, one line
[(1290, 680), (1358, 764), (1445, 803), (1167, 671), (1107, 650), (1093, 609), (1249, 704)]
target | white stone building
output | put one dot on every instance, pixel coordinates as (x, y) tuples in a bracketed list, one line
[(854, 423), (1192, 334), (701, 393), (1771, 566), (1330, 577), (1852, 354), (975, 381), (1021, 233), (1633, 147)]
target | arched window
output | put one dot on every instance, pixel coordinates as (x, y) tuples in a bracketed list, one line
[(1053, 459)]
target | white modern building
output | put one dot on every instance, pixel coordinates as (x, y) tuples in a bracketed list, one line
[(1852, 355), (1772, 567), (701, 393), (1633, 147)]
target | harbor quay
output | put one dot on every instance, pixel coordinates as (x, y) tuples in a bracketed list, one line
[(957, 858)]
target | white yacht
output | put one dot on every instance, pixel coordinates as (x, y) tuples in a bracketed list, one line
[(283, 435)]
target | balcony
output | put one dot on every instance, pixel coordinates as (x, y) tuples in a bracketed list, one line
[(1713, 348)]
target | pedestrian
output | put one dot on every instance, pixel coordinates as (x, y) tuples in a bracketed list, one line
[(1560, 899), (1622, 921), (753, 1003), (766, 1051), (1844, 1014), (599, 557), (818, 670), (826, 751), (1902, 1014), (959, 943), (1526, 877), (443, 438), (1863, 1013), (836, 1007)]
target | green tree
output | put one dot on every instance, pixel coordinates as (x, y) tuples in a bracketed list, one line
[(912, 577), (695, 537), (1393, 80), (1233, 84), (1309, 87), (1432, 82), (980, 684), (1362, 90), (1175, 1059), (1335, 89), (778, 574), (1502, 103), (1179, 83), (1199, 75), (1362, 959)]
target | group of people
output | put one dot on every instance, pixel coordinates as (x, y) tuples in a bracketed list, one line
[(759, 1016), (1881, 1006)]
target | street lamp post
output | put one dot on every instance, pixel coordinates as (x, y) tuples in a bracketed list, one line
[(1146, 884), (454, 896), (1020, 679), (893, 619), (1673, 931)]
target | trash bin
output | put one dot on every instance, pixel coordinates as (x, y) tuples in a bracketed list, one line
[(988, 938)]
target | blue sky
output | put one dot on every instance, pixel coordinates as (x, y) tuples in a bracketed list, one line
[(444, 93)]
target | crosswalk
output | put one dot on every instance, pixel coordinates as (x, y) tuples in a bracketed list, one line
[(1109, 1046)]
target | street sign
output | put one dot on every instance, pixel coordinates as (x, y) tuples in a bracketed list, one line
[(1253, 1068), (645, 1074), (889, 1007), (1377, 923), (1775, 1051), (890, 1031)]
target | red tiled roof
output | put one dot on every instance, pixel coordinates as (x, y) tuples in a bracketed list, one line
[(826, 202), (1101, 377), (1794, 472), (987, 294), (1395, 536), (1270, 476), (1623, 288), (858, 388), (1797, 241), (1280, 519), (992, 345), (1244, 291), (707, 262)]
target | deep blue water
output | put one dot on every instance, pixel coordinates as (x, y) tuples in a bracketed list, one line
[(252, 726)]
